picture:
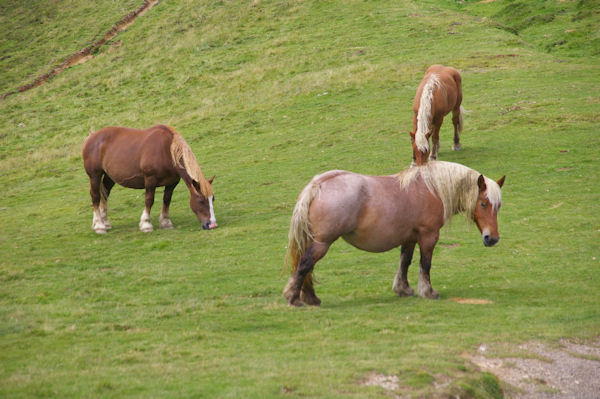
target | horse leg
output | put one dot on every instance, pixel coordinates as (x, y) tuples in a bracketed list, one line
[(107, 185), (435, 139), (97, 223), (456, 121), (401, 286), (164, 221), (145, 224), (426, 246), (299, 288)]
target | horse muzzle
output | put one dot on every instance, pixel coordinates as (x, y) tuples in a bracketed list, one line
[(489, 241), (209, 225)]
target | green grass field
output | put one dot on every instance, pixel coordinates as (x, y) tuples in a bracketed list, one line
[(268, 94)]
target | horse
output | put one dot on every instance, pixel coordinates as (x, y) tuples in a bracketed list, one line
[(145, 159), (439, 92), (379, 213)]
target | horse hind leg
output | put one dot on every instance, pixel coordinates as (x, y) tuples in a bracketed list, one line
[(105, 187), (401, 286), (299, 289), (97, 223)]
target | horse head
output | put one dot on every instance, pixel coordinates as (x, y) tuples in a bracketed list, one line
[(202, 206), (486, 212), (419, 157)]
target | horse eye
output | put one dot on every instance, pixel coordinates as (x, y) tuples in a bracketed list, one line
[(483, 204)]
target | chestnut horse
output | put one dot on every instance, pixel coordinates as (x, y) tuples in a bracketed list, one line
[(439, 93), (378, 213), (149, 158)]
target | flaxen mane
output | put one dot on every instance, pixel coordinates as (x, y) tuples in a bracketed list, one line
[(183, 157), (424, 114), (454, 184)]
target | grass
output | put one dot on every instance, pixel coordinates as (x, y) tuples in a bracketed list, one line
[(269, 94)]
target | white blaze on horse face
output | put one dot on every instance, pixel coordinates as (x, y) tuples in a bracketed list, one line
[(213, 219)]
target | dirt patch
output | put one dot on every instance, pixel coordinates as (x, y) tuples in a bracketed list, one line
[(387, 382), (541, 371), (85, 54), (472, 301)]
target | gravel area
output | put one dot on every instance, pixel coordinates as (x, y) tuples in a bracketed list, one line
[(568, 370)]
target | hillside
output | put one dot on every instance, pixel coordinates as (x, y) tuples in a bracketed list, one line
[(269, 94)]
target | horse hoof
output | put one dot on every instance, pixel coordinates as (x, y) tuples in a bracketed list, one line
[(296, 303), (456, 147), (100, 231), (405, 292), (312, 300), (147, 229), (166, 226)]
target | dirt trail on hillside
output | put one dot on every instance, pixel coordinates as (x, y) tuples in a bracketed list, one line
[(86, 53)]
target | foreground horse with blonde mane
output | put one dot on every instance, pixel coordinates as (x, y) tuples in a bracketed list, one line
[(379, 213), (150, 158), (439, 93)]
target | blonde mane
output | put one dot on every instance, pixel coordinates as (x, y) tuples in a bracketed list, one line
[(183, 157), (454, 184), (424, 114)]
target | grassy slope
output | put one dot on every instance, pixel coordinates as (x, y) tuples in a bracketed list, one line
[(268, 96)]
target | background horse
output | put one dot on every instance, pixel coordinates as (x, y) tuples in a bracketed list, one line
[(150, 158), (439, 93), (378, 213)]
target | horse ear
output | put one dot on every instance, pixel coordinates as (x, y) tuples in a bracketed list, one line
[(481, 183), (196, 186), (501, 181), (211, 179)]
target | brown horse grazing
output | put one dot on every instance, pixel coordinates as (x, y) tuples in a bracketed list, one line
[(439, 93), (378, 213), (150, 158)]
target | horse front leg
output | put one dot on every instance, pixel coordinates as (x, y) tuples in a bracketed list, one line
[(435, 140), (299, 289), (145, 224), (164, 220), (401, 286), (426, 246), (457, 122)]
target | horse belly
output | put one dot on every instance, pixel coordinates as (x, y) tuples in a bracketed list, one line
[(123, 171), (377, 239)]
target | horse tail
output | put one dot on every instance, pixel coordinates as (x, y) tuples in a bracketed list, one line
[(183, 157), (461, 110), (300, 235), (424, 115)]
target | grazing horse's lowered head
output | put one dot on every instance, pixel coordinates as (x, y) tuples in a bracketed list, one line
[(202, 205), (201, 192)]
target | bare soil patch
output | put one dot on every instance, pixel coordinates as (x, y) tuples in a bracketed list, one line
[(542, 371), (472, 301)]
